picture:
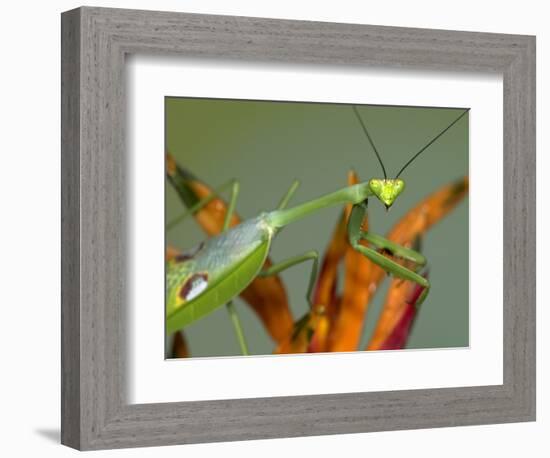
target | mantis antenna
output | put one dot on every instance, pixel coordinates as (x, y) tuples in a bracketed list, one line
[(370, 140), (409, 162)]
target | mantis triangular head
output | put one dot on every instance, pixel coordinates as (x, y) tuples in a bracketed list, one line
[(386, 190)]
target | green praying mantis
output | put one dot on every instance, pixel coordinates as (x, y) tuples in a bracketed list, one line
[(215, 272)]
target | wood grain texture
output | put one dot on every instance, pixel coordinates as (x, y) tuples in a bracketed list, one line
[(70, 229), (95, 412)]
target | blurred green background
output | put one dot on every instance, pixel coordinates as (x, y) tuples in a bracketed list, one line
[(266, 145)]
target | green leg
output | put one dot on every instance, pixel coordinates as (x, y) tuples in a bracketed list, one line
[(283, 265), (355, 235), (286, 198), (238, 328), (202, 203), (235, 186)]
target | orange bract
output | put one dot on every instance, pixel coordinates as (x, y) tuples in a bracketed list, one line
[(428, 212), (393, 310), (398, 333), (302, 338), (180, 348), (212, 215), (327, 282), (171, 252)]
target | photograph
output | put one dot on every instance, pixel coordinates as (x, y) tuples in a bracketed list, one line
[(306, 227)]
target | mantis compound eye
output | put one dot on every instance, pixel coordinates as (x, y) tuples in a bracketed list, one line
[(376, 185), (398, 186)]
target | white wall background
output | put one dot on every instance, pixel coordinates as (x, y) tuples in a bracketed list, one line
[(29, 205)]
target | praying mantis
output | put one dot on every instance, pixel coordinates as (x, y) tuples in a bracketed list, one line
[(211, 275)]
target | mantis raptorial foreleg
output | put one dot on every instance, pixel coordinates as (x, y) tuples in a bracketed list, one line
[(395, 249), (355, 235), (283, 265)]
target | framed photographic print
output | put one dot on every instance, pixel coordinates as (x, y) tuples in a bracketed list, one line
[(281, 228), (332, 316)]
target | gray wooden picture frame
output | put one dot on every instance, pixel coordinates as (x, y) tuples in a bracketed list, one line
[(95, 41)]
